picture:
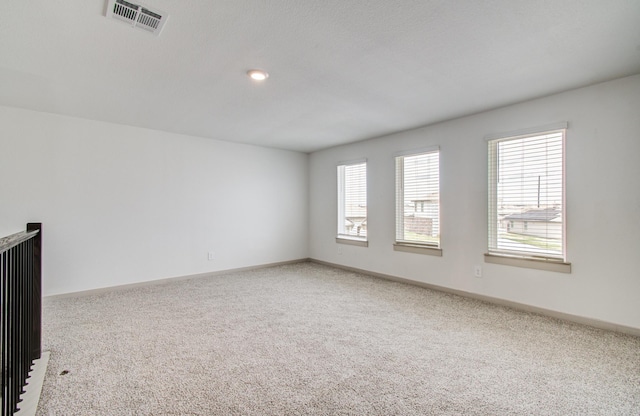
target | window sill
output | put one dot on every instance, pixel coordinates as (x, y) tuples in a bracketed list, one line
[(418, 249), (352, 242), (528, 263)]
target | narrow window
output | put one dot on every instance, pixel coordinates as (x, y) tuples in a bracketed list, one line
[(418, 199), (526, 196), (352, 201)]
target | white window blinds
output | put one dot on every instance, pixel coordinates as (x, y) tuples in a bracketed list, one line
[(526, 195), (352, 201), (418, 199)]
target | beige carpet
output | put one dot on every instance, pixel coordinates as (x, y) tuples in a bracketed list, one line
[(307, 339)]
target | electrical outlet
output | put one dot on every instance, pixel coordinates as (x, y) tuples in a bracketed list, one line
[(210, 255), (477, 271), (339, 251)]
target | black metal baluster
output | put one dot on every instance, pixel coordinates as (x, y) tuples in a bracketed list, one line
[(3, 333), (36, 293), (12, 331)]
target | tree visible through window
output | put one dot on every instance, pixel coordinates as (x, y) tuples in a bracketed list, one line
[(352, 201), (526, 195), (418, 199)]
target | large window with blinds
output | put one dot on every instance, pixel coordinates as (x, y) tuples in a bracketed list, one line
[(526, 196), (352, 201), (418, 199)]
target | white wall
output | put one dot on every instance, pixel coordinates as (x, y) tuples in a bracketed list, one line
[(122, 205), (603, 205)]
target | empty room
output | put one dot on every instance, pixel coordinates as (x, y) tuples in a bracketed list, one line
[(320, 208)]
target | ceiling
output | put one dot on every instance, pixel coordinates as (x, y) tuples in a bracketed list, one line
[(340, 71)]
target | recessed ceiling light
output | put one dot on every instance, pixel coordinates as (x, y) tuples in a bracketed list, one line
[(258, 74)]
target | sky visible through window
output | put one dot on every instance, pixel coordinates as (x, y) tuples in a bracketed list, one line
[(355, 178), (420, 177), (530, 172)]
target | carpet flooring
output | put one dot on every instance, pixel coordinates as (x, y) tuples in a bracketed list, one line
[(308, 339)]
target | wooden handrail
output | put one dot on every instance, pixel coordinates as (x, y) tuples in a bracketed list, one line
[(8, 242)]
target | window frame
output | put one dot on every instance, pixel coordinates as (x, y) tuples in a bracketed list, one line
[(341, 236), (515, 257), (408, 245)]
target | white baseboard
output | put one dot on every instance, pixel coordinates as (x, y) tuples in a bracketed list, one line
[(609, 326), (170, 279)]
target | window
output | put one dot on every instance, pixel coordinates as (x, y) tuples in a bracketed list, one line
[(526, 196), (418, 200), (352, 201)]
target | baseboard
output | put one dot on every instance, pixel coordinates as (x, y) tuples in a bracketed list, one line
[(609, 326), (108, 289)]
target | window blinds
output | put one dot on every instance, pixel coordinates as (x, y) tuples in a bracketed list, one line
[(526, 195), (352, 200), (418, 199)]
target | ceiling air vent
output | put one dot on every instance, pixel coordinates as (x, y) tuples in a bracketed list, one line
[(137, 16)]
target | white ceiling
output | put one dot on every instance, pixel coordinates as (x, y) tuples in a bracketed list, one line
[(341, 71)]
